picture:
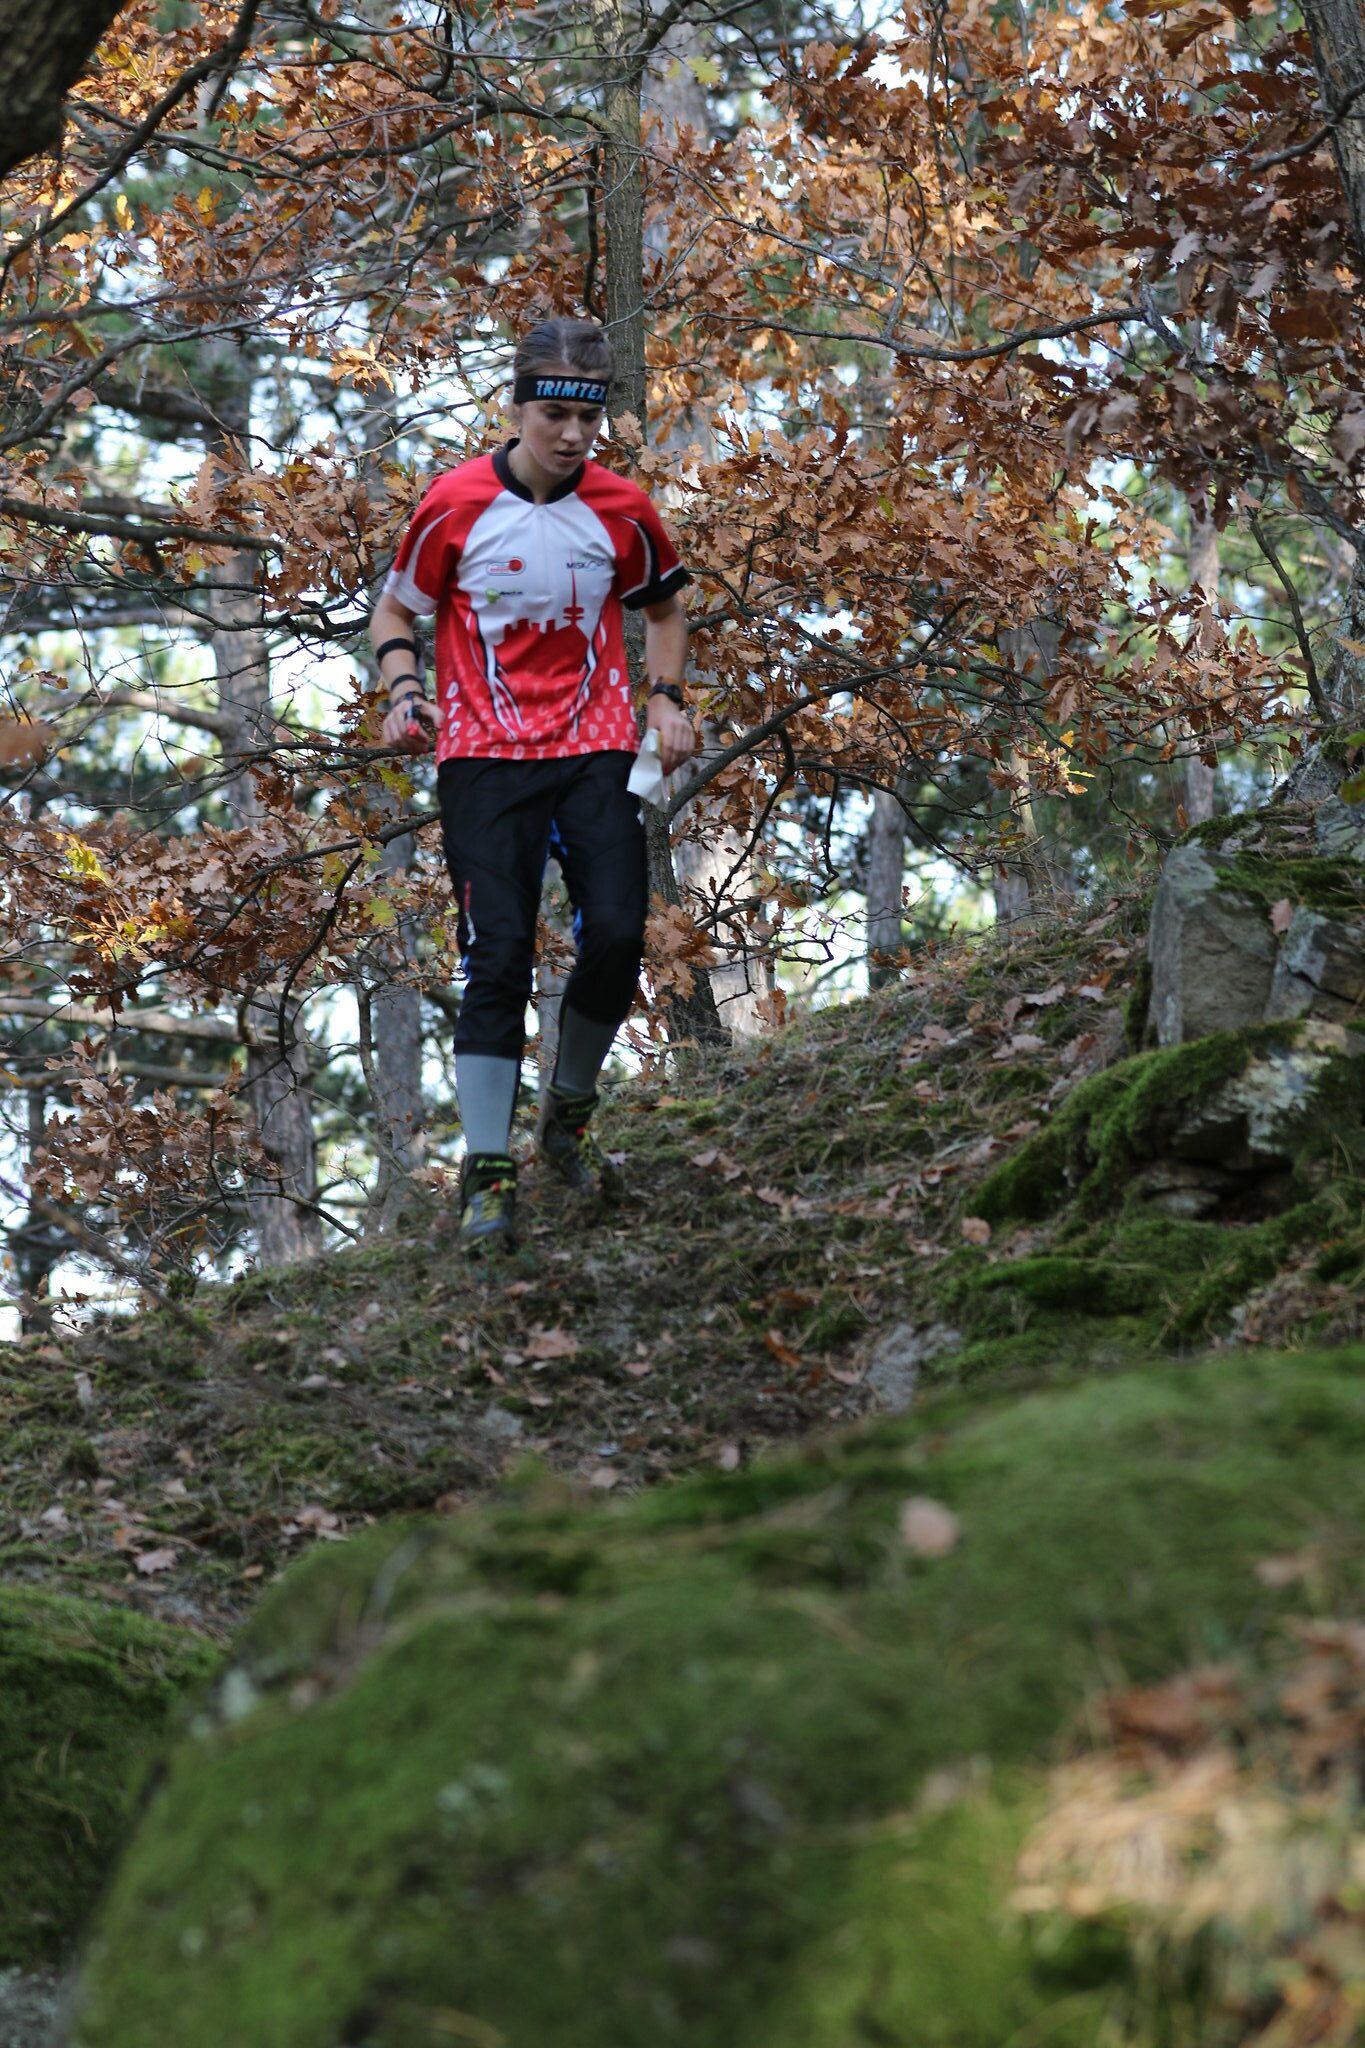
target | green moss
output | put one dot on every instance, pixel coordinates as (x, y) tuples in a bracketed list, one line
[(1136, 1007), (85, 1694), (1116, 1122), (684, 1775), (1336, 887)]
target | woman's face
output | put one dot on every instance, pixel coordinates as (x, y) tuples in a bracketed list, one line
[(557, 432)]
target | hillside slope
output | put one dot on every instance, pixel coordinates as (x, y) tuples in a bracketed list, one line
[(965, 1197)]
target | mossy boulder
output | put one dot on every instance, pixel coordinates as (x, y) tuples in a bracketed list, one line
[(85, 1695), (1237, 1108), (1261, 917), (747, 1760)]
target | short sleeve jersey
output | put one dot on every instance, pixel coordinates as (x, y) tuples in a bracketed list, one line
[(530, 649)]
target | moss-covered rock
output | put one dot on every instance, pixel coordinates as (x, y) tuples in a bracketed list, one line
[(739, 1761), (1259, 917), (1240, 1102), (85, 1692)]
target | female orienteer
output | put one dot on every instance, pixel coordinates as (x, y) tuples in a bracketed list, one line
[(527, 556)]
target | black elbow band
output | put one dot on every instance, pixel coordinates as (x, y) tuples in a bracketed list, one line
[(408, 646)]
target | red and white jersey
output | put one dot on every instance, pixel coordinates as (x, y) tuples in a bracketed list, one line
[(530, 651)]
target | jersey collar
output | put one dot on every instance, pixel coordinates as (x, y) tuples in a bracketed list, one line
[(503, 471)]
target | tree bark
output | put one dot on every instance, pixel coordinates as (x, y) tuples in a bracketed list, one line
[(278, 1091), (1028, 884), (709, 857), (1205, 570), (692, 1017), (1337, 32), (394, 1060), (885, 885), (43, 51)]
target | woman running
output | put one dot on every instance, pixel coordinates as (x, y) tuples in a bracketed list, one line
[(526, 556)]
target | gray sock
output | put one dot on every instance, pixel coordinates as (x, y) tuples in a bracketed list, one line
[(487, 1089), (583, 1048)]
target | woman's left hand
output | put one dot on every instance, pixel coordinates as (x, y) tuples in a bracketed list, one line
[(677, 740)]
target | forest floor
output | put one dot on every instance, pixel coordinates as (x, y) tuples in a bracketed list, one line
[(796, 1209)]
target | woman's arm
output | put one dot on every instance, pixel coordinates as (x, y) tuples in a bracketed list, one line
[(399, 668), (666, 662)]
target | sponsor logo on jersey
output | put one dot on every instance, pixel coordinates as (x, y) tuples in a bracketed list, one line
[(508, 590)]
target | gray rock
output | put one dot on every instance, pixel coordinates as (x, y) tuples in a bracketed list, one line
[(1320, 969), (1187, 1188), (499, 1423), (1211, 948), (897, 1360), (1339, 830), (28, 2009), (1252, 1122), (1312, 778)]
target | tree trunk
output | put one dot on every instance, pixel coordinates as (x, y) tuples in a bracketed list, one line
[(1027, 884), (393, 1061), (693, 1017), (709, 858), (1337, 30), (280, 1203), (35, 1244), (885, 885), (1205, 569), (394, 1070), (43, 51)]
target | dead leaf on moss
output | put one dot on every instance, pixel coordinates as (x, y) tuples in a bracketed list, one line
[(155, 1561), (976, 1229), (1288, 1570), (546, 1344), (1282, 915), (783, 1353), (928, 1528)]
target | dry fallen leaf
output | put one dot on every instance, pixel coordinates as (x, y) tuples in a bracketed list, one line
[(976, 1230), (604, 1478), (728, 1458), (1282, 915), (554, 1343), (1276, 1572), (155, 1561), (928, 1528), (637, 1367), (783, 1353)]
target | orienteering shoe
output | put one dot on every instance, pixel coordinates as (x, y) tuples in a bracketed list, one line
[(564, 1140), (488, 1202)]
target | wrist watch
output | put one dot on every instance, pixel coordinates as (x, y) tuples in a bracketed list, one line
[(671, 691)]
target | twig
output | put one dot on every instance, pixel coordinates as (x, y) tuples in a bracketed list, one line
[(1267, 547)]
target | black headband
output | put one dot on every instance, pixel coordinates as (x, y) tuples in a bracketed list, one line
[(579, 390)]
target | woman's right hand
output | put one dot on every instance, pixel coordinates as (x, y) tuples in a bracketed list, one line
[(410, 724)]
